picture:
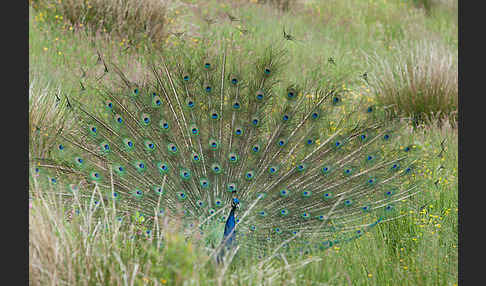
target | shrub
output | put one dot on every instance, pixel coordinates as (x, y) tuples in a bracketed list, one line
[(135, 21), (418, 82), (284, 5), (429, 5)]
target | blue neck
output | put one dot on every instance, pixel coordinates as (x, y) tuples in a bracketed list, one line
[(229, 228)]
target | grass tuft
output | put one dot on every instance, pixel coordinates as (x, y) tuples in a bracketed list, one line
[(420, 82), (47, 117), (132, 22)]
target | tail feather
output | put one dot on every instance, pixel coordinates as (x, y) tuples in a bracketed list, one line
[(195, 132)]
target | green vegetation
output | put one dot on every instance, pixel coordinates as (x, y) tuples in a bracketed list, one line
[(419, 82), (376, 48), (134, 22)]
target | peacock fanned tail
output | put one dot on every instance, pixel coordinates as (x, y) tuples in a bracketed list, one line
[(195, 134)]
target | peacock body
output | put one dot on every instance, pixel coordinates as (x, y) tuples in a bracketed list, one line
[(215, 140)]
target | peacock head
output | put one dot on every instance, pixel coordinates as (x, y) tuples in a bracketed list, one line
[(235, 203)]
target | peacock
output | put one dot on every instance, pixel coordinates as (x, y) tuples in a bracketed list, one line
[(218, 139)]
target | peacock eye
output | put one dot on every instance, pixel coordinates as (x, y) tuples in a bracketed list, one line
[(309, 169)]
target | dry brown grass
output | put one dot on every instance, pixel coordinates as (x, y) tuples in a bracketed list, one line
[(46, 118), (420, 82), (128, 20)]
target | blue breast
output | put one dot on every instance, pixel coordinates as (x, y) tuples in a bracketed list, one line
[(228, 229)]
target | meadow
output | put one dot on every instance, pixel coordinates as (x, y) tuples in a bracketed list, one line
[(395, 53)]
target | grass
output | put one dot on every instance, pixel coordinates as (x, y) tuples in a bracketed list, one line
[(419, 249), (46, 115), (134, 22), (419, 82)]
